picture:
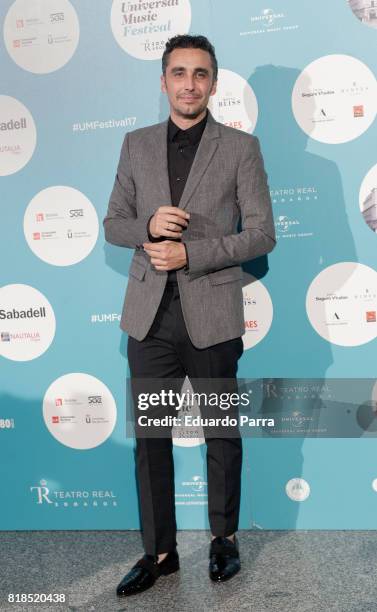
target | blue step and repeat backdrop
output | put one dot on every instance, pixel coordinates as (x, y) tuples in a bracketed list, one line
[(75, 77)]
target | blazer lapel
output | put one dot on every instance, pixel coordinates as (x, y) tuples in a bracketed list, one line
[(206, 150), (160, 161)]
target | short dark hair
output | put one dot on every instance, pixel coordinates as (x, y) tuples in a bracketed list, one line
[(187, 41)]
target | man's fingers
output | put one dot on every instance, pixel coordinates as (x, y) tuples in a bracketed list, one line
[(174, 210), (170, 218), (154, 247)]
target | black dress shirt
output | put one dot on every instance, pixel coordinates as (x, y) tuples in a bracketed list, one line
[(182, 147)]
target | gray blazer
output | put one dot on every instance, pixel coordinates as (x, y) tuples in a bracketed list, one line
[(227, 181)]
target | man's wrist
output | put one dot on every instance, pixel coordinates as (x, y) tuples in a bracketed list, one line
[(187, 265)]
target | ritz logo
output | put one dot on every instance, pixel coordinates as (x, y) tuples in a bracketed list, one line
[(42, 492)]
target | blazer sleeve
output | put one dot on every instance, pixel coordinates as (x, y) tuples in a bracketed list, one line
[(123, 226), (258, 232)]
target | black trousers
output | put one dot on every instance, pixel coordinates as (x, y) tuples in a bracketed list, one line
[(168, 353)]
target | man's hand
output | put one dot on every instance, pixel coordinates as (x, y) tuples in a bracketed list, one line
[(168, 221), (166, 255)]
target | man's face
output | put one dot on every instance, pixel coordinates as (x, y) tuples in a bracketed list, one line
[(188, 82)]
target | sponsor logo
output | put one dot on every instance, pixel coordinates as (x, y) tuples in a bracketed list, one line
[(76, 212), (267, 17), (56, 17), (23, 314), (94, 399), (371, 316), (44, 494), (13, 124), (6, 423), (297, 489)]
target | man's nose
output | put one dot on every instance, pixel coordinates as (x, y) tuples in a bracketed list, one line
[(189, 82)]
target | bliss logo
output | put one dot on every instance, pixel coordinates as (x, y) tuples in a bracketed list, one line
[(225, 102)]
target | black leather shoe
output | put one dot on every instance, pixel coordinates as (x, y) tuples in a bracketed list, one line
[(224, 559), (145, 572)]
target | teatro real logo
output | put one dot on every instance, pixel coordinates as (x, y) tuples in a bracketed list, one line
[(43, 494)]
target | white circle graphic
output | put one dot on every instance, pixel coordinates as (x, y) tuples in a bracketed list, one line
[(41, 35), (365, 11), (334, 99), (341, 304), (142, 29), (18, 135), (368, 199), (374, 485), (79, 411), (27, 322), (234, 102), (61, 225), (297, 489), (258, 312)]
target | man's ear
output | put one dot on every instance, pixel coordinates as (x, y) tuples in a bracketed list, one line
[(163, 83), (214, 87)]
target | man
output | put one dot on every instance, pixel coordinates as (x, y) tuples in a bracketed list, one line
[(180, 190)]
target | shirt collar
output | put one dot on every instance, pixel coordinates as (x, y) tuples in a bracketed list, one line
[(193, 133)]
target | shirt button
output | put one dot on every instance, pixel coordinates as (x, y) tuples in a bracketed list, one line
[(180, 150)]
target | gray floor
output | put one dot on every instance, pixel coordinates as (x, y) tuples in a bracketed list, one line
[(285, 571)]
